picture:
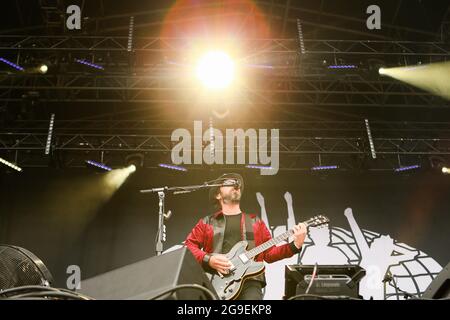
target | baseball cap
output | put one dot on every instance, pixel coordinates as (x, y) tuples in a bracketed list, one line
[(214, 190)]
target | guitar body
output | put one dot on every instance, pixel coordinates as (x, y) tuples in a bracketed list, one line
[(229, 285)]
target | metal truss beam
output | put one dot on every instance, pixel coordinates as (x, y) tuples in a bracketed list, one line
[(163, 143), (80, 43), (149, 78), (358, 90), (303, 144), (299, 154), (382, 129)]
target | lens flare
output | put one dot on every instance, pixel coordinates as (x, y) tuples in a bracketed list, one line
[(215, 70)]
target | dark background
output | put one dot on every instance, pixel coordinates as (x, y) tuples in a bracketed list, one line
[(57, 214)]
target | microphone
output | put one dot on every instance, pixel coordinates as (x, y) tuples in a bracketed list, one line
[(388, 277)]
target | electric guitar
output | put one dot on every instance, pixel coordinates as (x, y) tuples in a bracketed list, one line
[(228, 286)]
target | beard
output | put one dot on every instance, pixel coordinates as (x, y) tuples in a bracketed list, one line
[(234, 196)]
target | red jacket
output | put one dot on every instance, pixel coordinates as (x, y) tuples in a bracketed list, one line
[(207, 237)]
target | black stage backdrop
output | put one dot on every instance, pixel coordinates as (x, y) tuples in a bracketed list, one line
[(61, 216)]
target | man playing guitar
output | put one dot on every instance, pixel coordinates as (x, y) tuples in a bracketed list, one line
[(216, 234)]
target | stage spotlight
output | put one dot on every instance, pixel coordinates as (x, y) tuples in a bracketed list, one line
[(215, 70), (135, 159), (428, 77), (439, 163), (43, 68), (115, 178)]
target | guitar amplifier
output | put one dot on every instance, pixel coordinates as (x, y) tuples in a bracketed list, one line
[(330, 281)]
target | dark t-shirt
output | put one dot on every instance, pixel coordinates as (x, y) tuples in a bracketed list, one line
[(232, 232)]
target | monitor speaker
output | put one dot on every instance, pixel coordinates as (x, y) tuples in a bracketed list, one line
[(330, 281), (151, 278)]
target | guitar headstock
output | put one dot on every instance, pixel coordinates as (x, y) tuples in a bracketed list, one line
[(317, 221)]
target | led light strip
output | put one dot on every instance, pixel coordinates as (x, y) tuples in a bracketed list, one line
[(369, 135), (168, 166), (324, 168), (93, 65), (50, 133), (98, 165), (15, 66), (11, 165)]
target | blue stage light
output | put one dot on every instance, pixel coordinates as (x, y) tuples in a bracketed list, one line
[(98, 165), (15, 66), (324, 168), (168, 166)]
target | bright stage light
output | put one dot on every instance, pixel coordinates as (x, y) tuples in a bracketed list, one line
[(115, 178), (10, 164), (431, 77), (43, 68), (445, 170), (215, 70)]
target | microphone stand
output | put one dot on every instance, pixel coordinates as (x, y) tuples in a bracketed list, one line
[(162, 216)]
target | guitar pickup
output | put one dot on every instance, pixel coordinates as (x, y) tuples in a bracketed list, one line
[(243, 258)]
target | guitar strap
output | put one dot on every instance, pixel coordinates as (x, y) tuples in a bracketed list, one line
[(247, 231), (249, 236)]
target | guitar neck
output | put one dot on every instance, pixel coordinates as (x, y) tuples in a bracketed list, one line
[(313, 222), (268, 244)]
